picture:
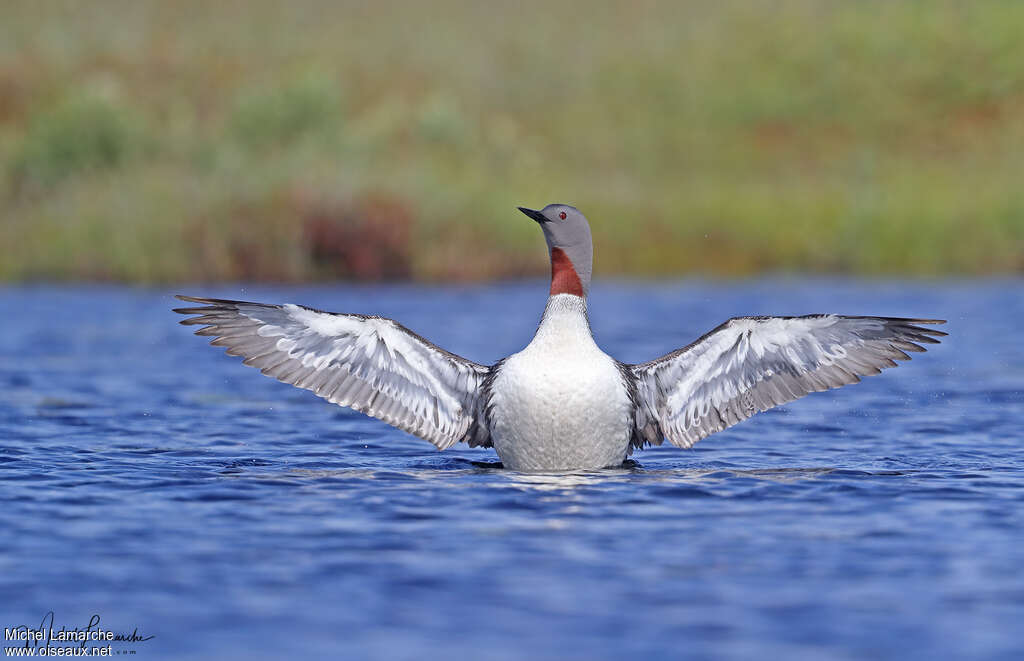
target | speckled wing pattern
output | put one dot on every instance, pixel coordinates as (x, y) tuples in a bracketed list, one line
[(751, 364), (371, 364)]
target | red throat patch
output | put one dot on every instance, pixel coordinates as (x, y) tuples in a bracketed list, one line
[(564, 279)]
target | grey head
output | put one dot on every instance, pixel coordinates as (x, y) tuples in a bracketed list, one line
[(567, 232)]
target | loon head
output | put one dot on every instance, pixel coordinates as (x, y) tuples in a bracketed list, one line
[(567, 233)]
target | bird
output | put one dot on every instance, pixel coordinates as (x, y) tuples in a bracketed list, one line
[(561, 403)]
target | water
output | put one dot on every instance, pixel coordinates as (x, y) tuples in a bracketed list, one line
[(149, 479)]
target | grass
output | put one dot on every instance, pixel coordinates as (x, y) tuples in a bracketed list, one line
[(149, 142)]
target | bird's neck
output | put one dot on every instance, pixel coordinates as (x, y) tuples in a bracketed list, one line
[(565, 322), (564, 278)]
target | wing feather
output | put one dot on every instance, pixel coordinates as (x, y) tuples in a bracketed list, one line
[(751, 364), (371, 364)]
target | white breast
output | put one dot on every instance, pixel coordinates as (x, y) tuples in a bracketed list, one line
[(561, 402)]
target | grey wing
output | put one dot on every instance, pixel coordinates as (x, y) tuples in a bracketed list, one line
[(371, 364), (751, 364)]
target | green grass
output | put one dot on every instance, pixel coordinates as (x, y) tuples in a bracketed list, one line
[(147, 141)]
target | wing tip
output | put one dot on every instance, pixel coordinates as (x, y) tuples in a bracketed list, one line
[(913, 323), (902, 320), (211, 301)]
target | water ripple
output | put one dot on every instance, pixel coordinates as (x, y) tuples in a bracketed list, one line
[(161, 484)]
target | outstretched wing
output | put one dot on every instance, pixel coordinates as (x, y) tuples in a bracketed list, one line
[(371, 364), (751, 364)]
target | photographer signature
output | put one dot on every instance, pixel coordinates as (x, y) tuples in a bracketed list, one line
[(92, 634)]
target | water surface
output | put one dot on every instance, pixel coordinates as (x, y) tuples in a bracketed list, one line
[(150, 479)]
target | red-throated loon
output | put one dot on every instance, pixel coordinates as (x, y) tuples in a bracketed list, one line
[(561, 403)]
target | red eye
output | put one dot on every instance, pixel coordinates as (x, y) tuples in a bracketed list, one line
[(561, 214)]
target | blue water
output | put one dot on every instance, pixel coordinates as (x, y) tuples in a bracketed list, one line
[(149, 479)]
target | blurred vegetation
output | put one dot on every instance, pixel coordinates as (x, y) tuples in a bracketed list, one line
[(166, 141)]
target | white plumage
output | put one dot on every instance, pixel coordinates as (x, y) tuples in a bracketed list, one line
[(561, 402)]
